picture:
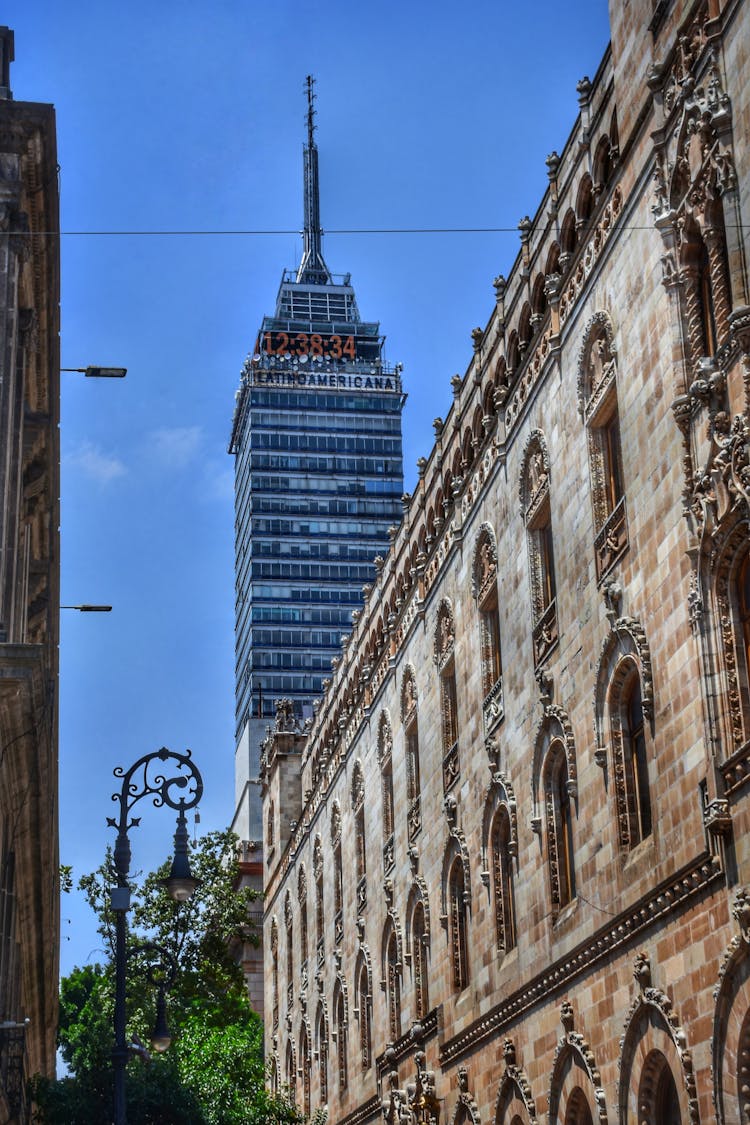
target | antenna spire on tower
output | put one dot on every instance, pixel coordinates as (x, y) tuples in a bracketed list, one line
[(312, 268)]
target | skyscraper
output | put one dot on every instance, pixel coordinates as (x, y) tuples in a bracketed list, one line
[(319, 478)]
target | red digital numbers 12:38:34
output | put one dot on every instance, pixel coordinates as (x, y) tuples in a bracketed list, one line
[(334, 347)]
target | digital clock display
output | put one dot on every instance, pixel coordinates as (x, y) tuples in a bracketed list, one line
[(307, 344)]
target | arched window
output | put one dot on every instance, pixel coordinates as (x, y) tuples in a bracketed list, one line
[(269, 826), (635, 768), (578, 1111), (597, 390), (743, 621), (304, 1058), (444, 659), (289, 951), (338, 876), (419, 962), (568, 239), (321, 1038), (385, 747), (706, 283), (658, 1100), (535, 504), (340, 1020), (303, 935), (291, 1072), (393, 985), (275, 972), (364, 1007), (411, 736), (484, 587), (360, 842), (503, 892), (319, 904), (458, 924), (559, 824)]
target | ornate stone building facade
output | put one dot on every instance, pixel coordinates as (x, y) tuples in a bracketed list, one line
[(508, 860), (29, 591)]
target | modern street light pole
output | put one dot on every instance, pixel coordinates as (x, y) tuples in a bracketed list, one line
[(146, 779)]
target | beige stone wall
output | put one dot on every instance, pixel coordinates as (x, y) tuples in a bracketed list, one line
[(620, 981)]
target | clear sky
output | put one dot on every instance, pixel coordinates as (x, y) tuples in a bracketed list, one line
[(190, 117)]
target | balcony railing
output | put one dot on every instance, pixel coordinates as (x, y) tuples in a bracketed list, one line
[(493, 707), (389, 857), (545, 634), (415, 818), (612, 540), (450, 767)]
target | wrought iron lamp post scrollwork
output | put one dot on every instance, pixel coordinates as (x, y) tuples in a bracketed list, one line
[(181, 791)]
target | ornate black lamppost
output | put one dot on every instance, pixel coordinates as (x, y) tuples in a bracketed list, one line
[(147, 779)]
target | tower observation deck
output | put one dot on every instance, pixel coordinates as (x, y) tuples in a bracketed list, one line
[(316, 437)]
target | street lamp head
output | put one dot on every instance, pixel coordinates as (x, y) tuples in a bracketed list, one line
[(181, 882), (161, 1037), (99, 372)]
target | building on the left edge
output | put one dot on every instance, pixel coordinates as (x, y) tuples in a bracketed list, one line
[(29, 591)]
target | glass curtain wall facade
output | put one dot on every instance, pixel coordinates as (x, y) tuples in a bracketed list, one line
[(319, 477)]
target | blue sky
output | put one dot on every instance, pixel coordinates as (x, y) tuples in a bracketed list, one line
[(190, 117)]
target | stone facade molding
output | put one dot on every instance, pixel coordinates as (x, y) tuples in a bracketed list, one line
[(652, 1026), (573, 1046), (484, 562), (730, 1039), (597, 364), (514, 1097)]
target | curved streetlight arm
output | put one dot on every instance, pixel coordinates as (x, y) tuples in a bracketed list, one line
[(140, 781)]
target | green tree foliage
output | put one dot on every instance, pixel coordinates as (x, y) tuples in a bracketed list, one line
[(214, 1073)]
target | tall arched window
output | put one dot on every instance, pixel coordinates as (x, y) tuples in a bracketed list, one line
[(360, 842), (411, 736), (321, 1038), (393, 986), (445, 661), (578, 1111), (559, 818), (419, 962), (341, 1055), (458, 924), (275, 972), (707, 288), (364, 1007), (304, 1058), (597, 391), (637, 798), (742, 590), (484, 586), (289, 950), (535, 504), (291, 1072), (338, 875), (503, 891), (385, 759), (319, 904), (658, 1099), (303, 936)]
